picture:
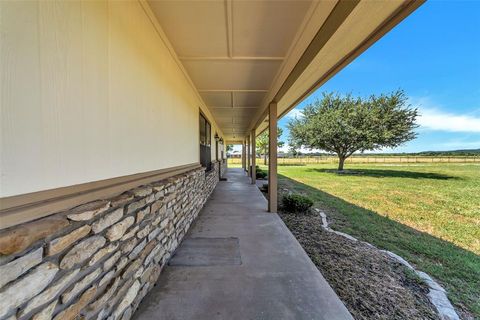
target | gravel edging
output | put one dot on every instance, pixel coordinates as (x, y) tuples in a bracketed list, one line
[(437, 294)]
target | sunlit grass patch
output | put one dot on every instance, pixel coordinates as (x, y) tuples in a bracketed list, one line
[(428, 213)]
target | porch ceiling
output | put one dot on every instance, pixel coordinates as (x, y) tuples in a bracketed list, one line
[(241, 55)]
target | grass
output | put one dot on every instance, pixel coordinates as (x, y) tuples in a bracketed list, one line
[(427, 213)]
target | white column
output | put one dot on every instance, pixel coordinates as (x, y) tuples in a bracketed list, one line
[(272, 157), (254, 157), (243, 155), (248, 156)]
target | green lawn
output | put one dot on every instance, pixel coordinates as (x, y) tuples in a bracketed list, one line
[(427, 213)]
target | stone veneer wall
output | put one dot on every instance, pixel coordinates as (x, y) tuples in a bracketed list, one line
[(223, 167), (100, 259)]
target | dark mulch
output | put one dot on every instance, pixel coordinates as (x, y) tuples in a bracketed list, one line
[(371, 285)]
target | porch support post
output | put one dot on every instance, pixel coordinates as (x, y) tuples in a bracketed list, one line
[(254, 158), (272, 157), (243, 155), (248, 155)]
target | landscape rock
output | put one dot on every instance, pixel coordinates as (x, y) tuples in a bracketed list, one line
[(444, 307), (82, 251), (19, 266), (58, 245)]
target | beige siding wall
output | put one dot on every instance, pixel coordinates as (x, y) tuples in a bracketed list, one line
[(89, 91)]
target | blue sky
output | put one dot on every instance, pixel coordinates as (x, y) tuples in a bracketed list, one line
[(434, 55)]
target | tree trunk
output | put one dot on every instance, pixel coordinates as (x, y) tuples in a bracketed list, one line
[(265, 158), (341, 161)]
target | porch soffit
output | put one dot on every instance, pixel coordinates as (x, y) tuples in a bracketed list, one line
[(241, 54)]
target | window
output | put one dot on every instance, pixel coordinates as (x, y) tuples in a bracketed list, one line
[(205, 143)]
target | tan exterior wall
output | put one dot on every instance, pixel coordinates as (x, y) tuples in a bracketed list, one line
[(89, 91)]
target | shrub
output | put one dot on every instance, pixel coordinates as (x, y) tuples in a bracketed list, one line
[(296, 203), (264, 188), (261, 174)]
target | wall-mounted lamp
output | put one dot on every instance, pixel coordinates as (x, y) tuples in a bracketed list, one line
[(217, 137), (221, 140)]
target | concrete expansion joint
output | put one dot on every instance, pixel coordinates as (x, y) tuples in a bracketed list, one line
[(437, 294)]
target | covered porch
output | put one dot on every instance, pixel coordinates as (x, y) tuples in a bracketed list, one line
[(251, 62), (115, 117), (237, 262)]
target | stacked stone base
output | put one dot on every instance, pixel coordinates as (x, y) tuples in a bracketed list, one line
[(223, 167), (98, 260)]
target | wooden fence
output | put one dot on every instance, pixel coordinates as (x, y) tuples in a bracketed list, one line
[(366, 159)]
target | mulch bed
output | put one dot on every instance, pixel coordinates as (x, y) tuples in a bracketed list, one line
[(370, 284)]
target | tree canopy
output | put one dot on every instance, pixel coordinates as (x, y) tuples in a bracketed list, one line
[(344, 124), (262, 143)]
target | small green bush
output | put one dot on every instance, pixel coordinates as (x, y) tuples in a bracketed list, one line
[(264, 188), (296, 203), (261, 174)]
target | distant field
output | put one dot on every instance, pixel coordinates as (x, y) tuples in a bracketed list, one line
[(427, 213), (371, 159)]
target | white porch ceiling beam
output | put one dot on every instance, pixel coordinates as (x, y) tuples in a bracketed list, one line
[(229, 26), (337, 17), (233, 90), (239, 58)]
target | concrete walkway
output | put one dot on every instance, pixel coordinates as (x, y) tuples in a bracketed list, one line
[(240, 262)]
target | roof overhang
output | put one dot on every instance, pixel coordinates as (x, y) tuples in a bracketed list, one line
[(242, 55)]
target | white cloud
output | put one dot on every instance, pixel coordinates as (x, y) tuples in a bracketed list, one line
[(295, 113), (434, 119)]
